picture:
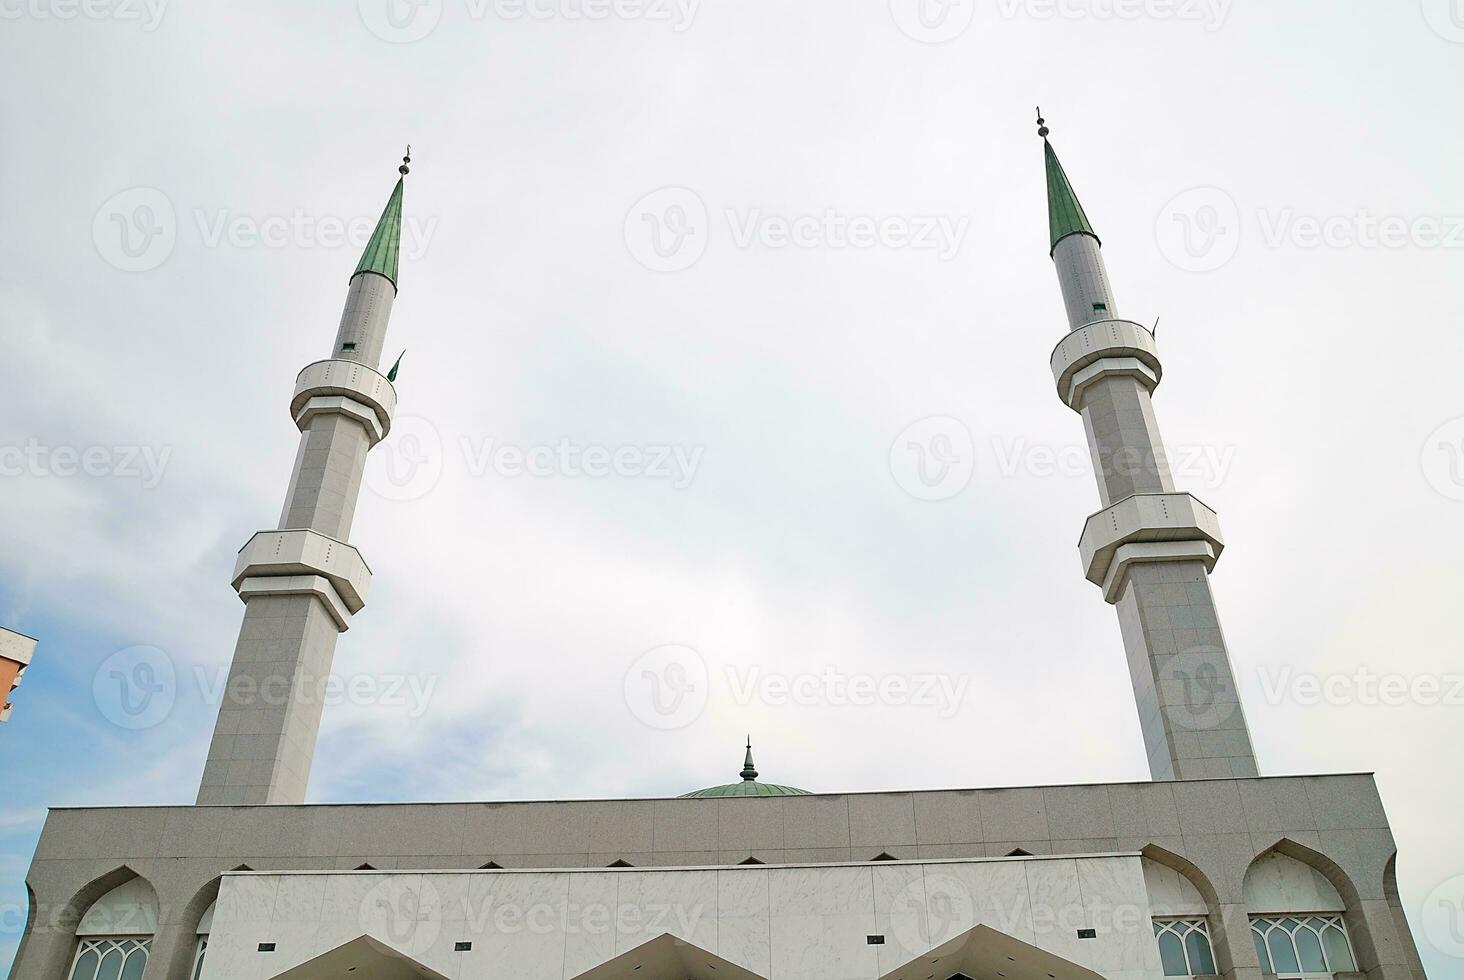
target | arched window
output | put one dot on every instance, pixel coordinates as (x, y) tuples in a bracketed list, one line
[(114, 937), (205, 925), (1181, 921), (1184, 947), (1296, 920), (1302, 946), (110, 959)]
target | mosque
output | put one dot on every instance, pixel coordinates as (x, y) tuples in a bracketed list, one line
[(1208, 869)]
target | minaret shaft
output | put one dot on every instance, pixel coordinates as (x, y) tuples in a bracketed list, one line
[(1086, 291), (302, 583), (326, 481), (1123, 439), (362, 333), (1152, 547)]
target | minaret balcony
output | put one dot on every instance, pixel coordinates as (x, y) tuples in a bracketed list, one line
[(304, 562), (344, 388), (1102, 349), (1147, 527)]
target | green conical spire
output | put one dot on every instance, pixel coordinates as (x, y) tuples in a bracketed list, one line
[(1065, 216), (381, 252)]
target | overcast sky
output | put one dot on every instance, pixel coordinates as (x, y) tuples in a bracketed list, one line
[(746, 261)]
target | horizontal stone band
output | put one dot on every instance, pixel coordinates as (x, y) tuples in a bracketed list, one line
[(312, 585), (341, 405), (350, 380), (1147, 527), (1102, 349), (305, 552)]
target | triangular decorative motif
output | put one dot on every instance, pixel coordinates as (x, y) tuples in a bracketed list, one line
[(363, 957), (664, 957)]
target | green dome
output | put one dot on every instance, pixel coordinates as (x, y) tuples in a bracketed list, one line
[(749, 785)]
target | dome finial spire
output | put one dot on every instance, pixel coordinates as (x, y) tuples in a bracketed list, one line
[(749, 772), (406, 166), (1042, 129)]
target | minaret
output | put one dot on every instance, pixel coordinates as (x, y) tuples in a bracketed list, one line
[(302, 583), (1151, 548)]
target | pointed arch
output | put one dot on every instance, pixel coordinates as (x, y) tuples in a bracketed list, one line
[(1191, 874), (129, 909), (1400, 917), (86, 896), (1186, 869), (30, 922), (1363, 944), (182, 958)]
